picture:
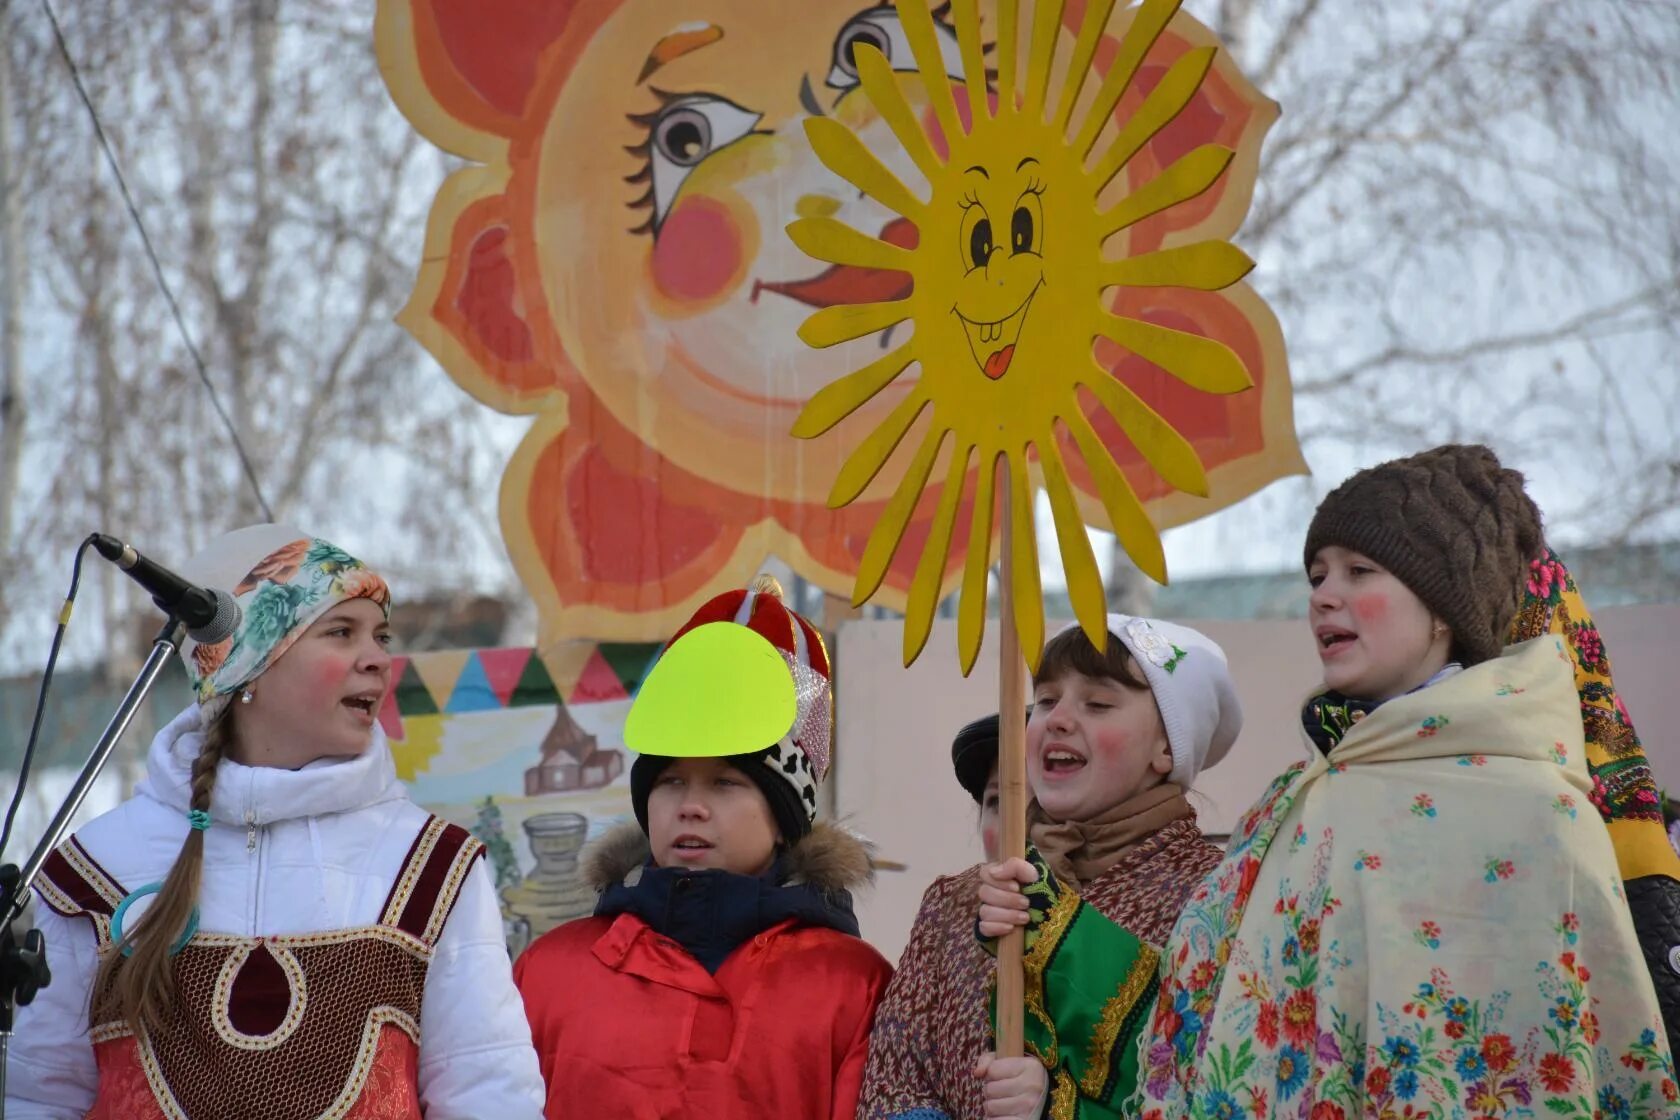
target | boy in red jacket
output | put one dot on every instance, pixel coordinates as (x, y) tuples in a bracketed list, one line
[(722, 974)]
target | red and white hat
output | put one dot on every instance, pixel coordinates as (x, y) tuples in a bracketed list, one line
[(801, 757)]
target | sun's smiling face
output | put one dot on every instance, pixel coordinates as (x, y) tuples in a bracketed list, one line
[(1002, 260), (1005, 278), (1007, 302)]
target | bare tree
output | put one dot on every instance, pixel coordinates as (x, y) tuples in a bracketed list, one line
[(284, 194), (1467, 223)]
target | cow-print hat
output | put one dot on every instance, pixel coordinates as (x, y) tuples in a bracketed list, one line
[(789, 771)]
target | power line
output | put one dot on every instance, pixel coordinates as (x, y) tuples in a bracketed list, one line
[(151, 255)]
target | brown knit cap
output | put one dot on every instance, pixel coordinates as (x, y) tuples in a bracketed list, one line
[(1452, 525)]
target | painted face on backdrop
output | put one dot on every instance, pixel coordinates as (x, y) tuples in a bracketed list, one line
[(681, 192), (613, 261), (1376, 639), (1092, 743)]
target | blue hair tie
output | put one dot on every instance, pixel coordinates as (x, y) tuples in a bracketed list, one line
[(199, 819)]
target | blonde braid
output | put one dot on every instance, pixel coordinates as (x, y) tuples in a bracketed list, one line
[(138, 989)]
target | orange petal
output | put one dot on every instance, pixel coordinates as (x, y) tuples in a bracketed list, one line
[(1226, 110), (609, 552), (1246, 440)]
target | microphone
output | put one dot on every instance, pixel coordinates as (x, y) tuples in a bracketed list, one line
[(208, 614)]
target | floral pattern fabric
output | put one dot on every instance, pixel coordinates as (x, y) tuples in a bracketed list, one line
[(1411, 926), (281, 595)]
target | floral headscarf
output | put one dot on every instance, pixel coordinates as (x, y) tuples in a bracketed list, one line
[(283, 580), (1624, 790)]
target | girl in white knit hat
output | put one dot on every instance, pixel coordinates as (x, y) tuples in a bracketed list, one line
[(269, 928), (1115, 739)]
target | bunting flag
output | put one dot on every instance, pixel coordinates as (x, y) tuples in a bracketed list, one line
[(481, 680)]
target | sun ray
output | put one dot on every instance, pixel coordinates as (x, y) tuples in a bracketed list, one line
[(888, 533), (967, 15), (845, 321), (1209, 266), (971, 610), (1028, 592), (1187, 177), (1008, 48), (1151, 19), (930, 571), (1169, 97), (1016, 274), (864, 463), (1084, 49), (844, 154), (1047, 21), (1200, 362), (1084, 581), (917, 22), (1126, 515), (1162, 447), (838, 243), (880, 82), (839, 399)]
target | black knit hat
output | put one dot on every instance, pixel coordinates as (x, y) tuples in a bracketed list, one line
[(974, 752), (1452, 525), (791, 818)]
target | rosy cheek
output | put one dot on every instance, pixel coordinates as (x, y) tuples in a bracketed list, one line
[(1111, 746), (1370, 608), (698, 253), (989, 839), (330, 673)]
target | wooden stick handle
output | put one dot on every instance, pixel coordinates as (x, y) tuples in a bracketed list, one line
[(1012, 782)]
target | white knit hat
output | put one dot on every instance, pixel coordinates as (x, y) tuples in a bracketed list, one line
[(1192, 684)]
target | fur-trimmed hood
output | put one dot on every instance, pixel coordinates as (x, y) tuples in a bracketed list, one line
[(829, 858), (710, 912)]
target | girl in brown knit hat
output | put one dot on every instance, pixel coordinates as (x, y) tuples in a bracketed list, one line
[(1426, 916)]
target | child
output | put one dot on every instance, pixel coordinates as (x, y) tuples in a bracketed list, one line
[(722, 974), (269, 928), (1115, 739), (932, 1019), (1426, 917)]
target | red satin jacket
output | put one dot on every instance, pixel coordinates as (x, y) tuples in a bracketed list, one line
[(628, 1025)]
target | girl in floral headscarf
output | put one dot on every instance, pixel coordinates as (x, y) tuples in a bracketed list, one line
[(269, 928)]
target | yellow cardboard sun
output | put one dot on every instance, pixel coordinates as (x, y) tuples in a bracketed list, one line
[(1009, 271)]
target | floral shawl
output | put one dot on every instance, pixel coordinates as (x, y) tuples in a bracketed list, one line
[(1426, 922)]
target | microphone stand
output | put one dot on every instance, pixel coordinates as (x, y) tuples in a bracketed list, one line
[(23, 967)]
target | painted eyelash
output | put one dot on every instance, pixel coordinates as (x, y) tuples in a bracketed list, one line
[(1034, 186), (644, 153), (969, 199)]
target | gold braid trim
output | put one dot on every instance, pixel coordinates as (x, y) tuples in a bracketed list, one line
[(1064, 1098), (1035, 962), (1115, 1012)]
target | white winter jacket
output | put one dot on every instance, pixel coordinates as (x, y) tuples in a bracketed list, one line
[(288, 851)]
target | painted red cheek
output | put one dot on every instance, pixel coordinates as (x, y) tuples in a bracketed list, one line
[(1370, 608), (698, 253)]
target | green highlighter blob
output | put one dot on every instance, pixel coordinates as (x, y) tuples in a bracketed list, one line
[(721, 689)]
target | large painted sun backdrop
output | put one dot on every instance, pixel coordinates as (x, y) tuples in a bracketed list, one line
[(611, 262)]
